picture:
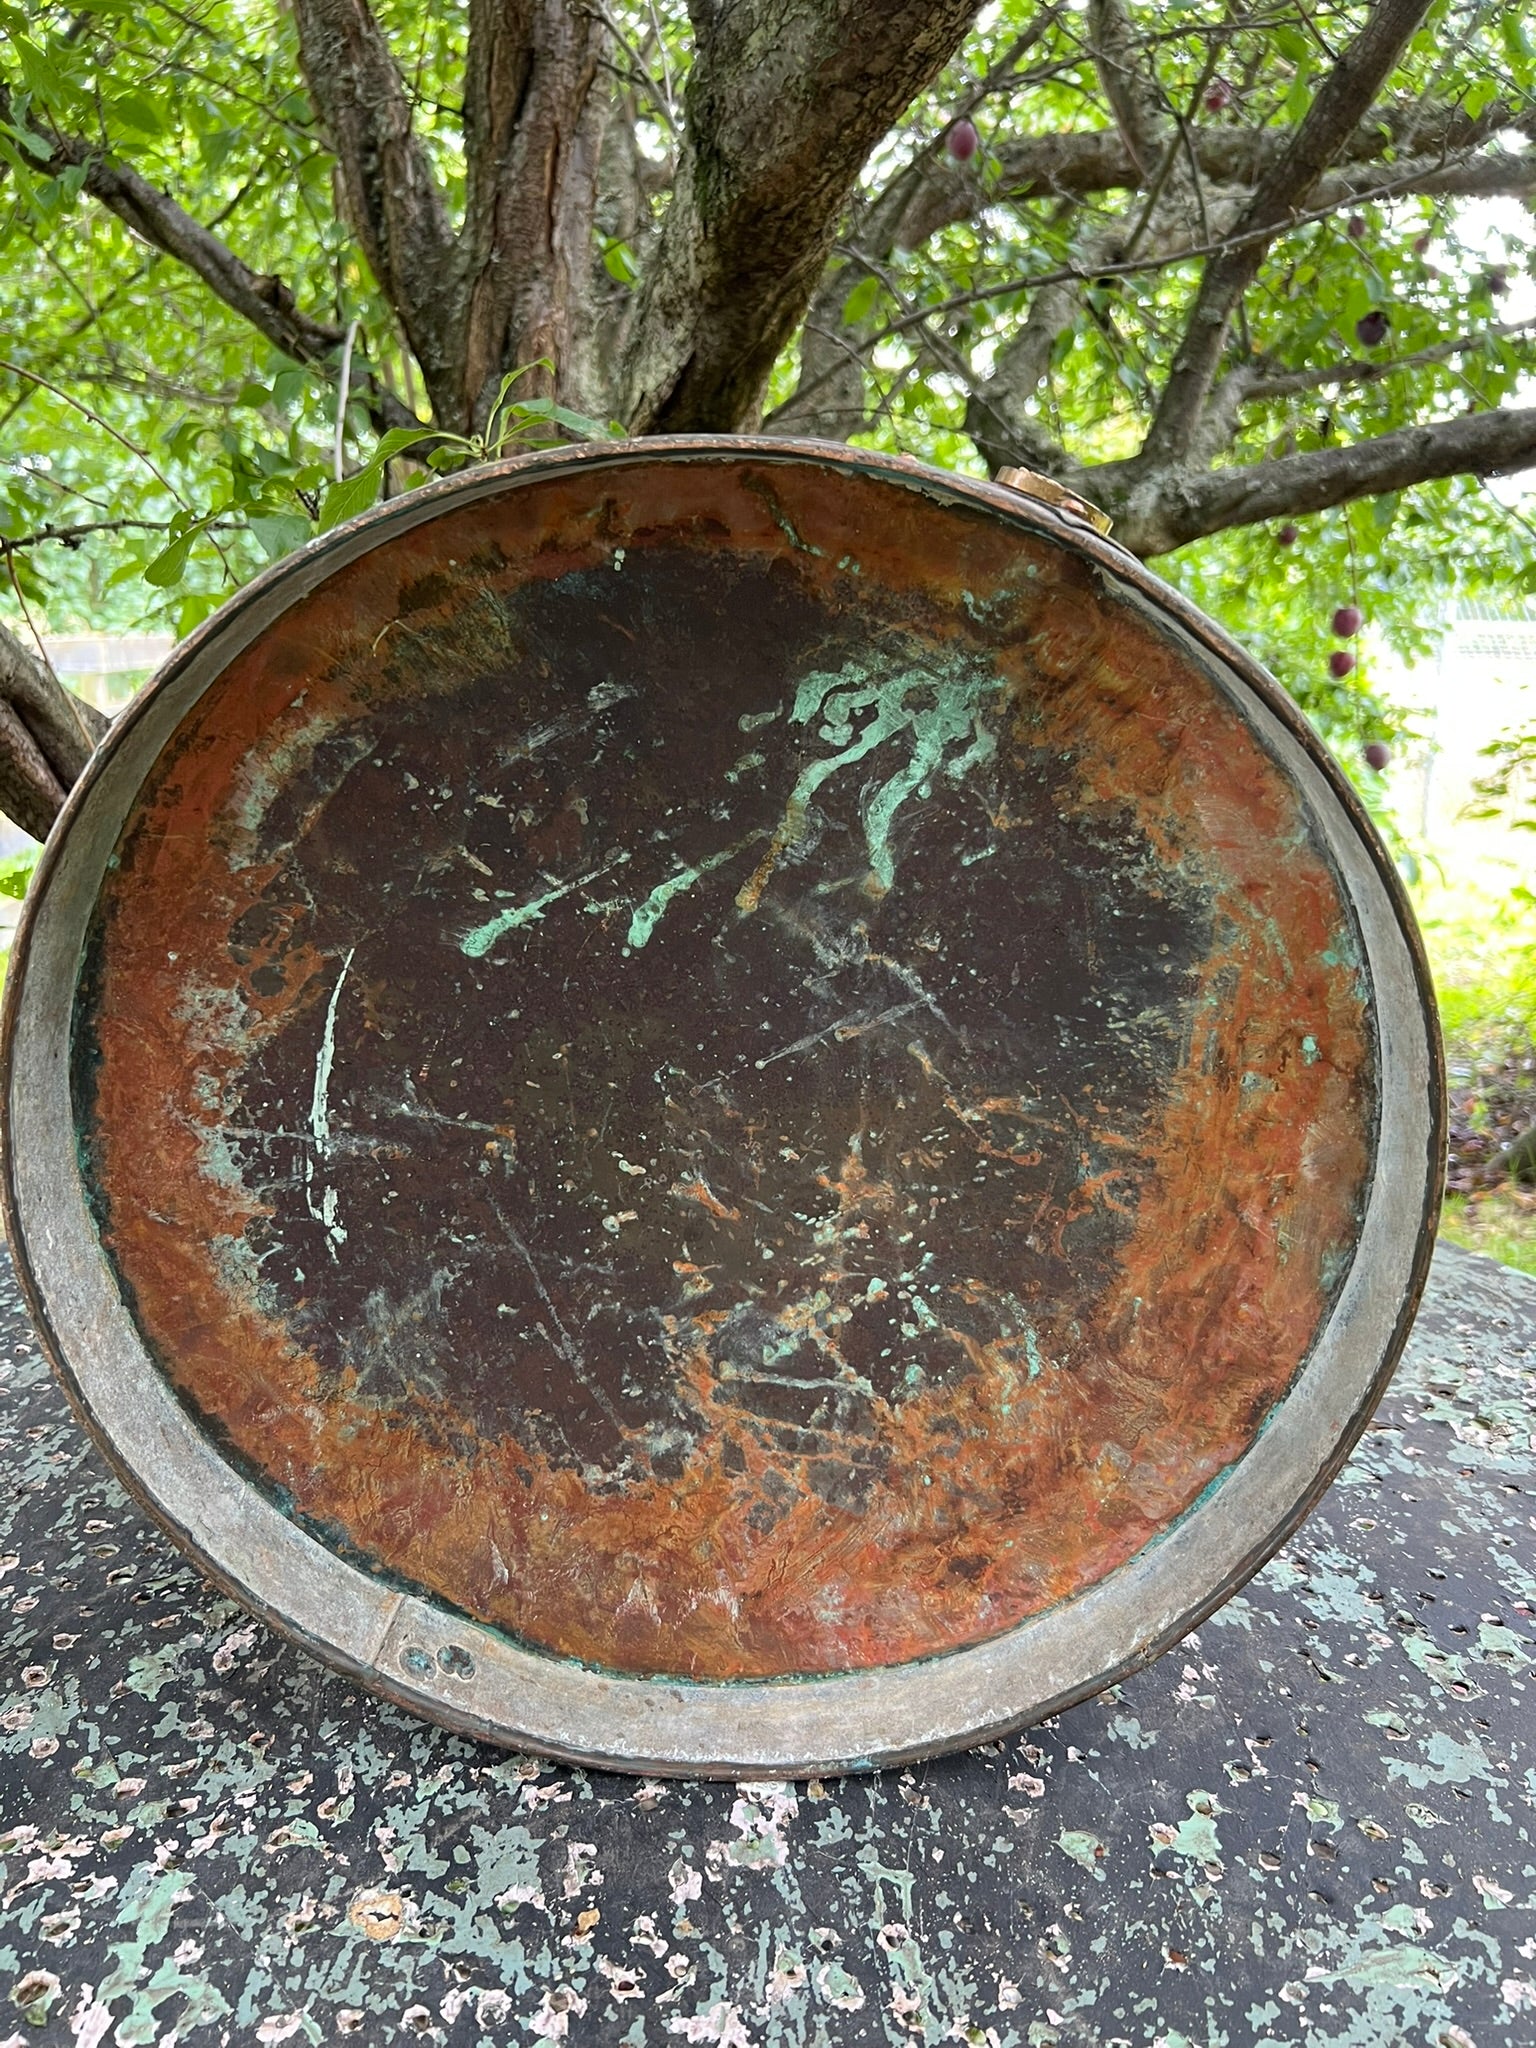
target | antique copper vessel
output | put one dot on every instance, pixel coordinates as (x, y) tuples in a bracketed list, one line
[(721, 1106)]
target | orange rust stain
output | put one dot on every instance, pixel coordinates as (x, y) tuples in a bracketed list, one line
[(701, 1192), (990, 1498)]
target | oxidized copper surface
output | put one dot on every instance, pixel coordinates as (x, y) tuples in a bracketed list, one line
[(727, 1067)]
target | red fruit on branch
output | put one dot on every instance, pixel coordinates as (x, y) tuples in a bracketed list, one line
[(1346, 621), (1377, 756), (1218, 95), (1355, 227), (962, 141), (1287, 536), (1340, 664), (1371, 328)]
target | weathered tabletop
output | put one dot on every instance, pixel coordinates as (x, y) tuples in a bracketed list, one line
[(1312, 1823)]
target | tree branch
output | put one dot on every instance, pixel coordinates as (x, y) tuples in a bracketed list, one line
[(1259, 386), (1343, 99), (264, 300), (388, 190), (1157, 512), (46, 737), (259, 297), (785, 101), (156, 218), (1079, 164), (1132, 96)]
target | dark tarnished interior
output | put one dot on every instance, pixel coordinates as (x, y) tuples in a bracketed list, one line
[(726, 1066)]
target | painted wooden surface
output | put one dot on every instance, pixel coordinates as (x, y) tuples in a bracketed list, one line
[(1313, 1825)]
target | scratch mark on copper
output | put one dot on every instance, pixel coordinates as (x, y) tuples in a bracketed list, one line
[(844, 1029), (320, 1118), (565, 1343)]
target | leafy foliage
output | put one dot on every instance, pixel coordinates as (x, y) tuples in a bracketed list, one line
[(156, 450)]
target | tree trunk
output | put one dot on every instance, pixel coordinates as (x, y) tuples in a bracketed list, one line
[(46, 737)]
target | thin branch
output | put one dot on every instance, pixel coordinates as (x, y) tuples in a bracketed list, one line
[(1080, 273), (106, 427), (343, 393), (660, 95), (1355, 371), (72, 536), (1343, 99)]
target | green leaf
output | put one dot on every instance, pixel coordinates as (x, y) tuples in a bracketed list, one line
[(398, 439), (42, 79), (1518, 48), (1481, 95), (352, 495), (34, 145), (137, 110), (169, 566), (1290, 42), (860, 302), (16, 871), (618, 262), (279, 533), (194, 608)]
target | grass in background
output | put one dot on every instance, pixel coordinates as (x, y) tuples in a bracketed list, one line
[(1500, 1224), (1482, 950)]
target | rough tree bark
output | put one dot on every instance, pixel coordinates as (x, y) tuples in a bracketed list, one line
[(47, 735), (785, 102)]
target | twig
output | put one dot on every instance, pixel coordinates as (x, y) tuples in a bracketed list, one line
[(343, 392), (1076, 273), (122, 440), (72, 536)]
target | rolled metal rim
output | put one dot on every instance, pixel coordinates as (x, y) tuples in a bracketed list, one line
[(471, 1677)]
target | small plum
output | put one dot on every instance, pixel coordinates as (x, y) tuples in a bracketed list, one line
[(1371, 328), (1498, 282), (962, 141), (1218, 95), (1288, 536), (1347, 621), (1354, 227), (1340, 663), (1377, 756)]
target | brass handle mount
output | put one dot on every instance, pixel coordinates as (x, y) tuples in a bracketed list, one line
[(1033, 485)]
